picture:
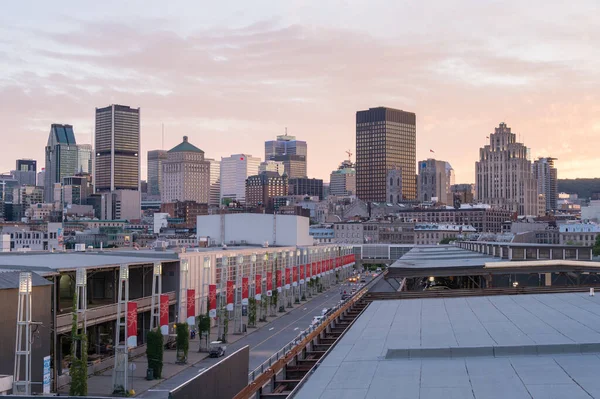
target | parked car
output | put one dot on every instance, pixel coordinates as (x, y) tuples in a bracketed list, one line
[(316, 320), (217, 349)]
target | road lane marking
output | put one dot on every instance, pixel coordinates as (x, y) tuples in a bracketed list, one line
[(304, 309), (271, 329), (297, 328), (320, 305)]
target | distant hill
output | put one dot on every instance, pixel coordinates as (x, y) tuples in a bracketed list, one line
[(582, 187)]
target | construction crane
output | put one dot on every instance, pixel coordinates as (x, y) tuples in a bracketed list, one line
[(349, 155)]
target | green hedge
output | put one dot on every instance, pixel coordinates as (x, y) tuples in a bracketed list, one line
[(154, 351)]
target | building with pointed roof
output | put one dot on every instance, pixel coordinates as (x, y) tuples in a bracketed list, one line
[(185, 174), (61, 158)]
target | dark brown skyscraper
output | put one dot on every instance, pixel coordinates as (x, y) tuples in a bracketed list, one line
[(385, 138)]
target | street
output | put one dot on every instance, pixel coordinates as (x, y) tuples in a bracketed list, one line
[(263, 342)]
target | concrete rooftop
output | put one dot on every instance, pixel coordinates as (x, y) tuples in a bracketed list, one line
[(520, 346), (442, 256)]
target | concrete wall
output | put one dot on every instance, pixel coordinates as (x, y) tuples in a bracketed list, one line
[(256, 229), (222, 381), (42, 312)]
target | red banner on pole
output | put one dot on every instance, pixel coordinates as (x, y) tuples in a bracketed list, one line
[(245, 290), (269, 283), (288, 280), (302, 271), (257, 287), (191, 307), (314, 269), (131, 324), (164, 314), (278, 280), (230, 295), (295, 276), (212, 299)]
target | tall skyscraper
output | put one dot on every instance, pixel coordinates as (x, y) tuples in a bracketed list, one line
[(84, 159), (234, 172), (61, 158), (291, 152), (117, 149), (215, 182), (503, 174), (186, 175), (547, 181), (386, 138), (434, 181), (342, 182), (154, 179), (25, 172)]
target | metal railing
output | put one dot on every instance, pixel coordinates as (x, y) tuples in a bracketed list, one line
[(296, 341)]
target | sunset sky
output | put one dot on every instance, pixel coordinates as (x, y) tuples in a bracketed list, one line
[(231, 75)]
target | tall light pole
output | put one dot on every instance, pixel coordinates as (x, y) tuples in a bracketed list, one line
[(121, 352), (184, 266), (156, 291)]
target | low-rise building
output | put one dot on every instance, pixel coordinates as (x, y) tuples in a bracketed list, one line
[(578, 233), (432, 234)]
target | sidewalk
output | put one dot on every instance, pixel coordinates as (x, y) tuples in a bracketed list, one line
[(101, 384)]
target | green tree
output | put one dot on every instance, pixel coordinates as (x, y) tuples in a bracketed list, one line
[(596, 249), (154, 351), (183, 341), (251, 312), (225, 325), (79, 354), (203, 329)]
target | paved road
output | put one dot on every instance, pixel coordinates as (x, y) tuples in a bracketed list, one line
[(263, 342)]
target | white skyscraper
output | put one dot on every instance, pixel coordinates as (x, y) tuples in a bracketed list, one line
[(234, 172)]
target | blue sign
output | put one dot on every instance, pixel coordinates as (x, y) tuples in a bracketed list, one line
[(47, 377)]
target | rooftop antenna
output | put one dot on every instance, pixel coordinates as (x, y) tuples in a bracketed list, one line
[(286, 131)]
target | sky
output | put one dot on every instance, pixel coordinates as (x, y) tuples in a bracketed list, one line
[(232, 74)]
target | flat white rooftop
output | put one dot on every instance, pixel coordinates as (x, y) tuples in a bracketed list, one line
[(514, 346)]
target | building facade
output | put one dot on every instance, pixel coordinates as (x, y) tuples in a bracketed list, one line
[(342, 182), (261, 189), (84, 158), (289, 151), (393, 185), (504, 177), (272, 166), (578, 233), (385, 138), (464, 192), (484, 219), (25, 172), (215, 182), (186, 175), (434, 181), (235, 169), (546, 175), (306, 186), (188, 211), (120, 205), (432, 234), (61, 158), (75, 190), (117, 165), (154, 173)]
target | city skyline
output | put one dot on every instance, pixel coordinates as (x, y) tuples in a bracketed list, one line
[(537, 74)]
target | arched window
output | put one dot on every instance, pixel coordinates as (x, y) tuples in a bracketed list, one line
[(391, 181), (398, 182)]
